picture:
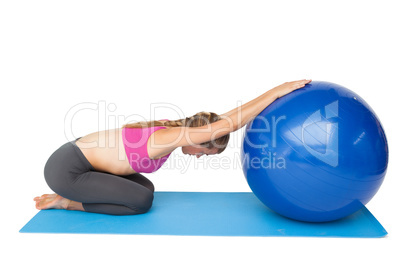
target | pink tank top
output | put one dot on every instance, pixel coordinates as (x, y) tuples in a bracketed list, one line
[(135, 144)]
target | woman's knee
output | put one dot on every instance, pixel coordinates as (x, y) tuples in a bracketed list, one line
[(150, 186), (144, 202)]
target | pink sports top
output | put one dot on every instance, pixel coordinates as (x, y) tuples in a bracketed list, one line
[(135, 144)]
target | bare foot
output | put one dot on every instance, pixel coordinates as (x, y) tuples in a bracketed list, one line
[(48, 201)]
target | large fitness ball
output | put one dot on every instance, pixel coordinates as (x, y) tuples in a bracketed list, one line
[(317, 154)]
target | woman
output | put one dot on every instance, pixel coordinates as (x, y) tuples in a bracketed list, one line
[(101, 172)]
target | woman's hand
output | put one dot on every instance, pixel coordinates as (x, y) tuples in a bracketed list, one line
[(288, 87)]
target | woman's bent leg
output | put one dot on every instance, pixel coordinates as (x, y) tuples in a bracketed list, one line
[(109, 194), (69, 174)]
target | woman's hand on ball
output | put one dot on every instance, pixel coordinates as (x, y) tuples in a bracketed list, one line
[(288, 87)]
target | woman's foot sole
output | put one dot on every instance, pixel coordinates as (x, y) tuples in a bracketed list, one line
[(49, 201)]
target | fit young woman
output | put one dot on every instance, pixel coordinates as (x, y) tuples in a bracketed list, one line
[(101, 172)]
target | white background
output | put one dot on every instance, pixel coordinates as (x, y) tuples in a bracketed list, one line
[(195, 56)]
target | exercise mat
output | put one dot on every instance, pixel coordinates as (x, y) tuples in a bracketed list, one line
[(203, 214)]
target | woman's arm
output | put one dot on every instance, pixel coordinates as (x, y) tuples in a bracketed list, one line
[(231, 121), (241, 115)]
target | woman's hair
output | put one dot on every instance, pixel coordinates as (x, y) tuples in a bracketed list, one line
[(197, 120)]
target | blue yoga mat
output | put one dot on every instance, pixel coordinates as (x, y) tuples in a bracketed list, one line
[(203, 214)]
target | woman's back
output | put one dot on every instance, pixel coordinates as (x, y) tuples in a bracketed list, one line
[(105, 151)]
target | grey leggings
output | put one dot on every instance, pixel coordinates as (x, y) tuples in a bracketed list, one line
[(69, 174)]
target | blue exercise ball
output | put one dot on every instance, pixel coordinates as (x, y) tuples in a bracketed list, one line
[(317, 154)]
